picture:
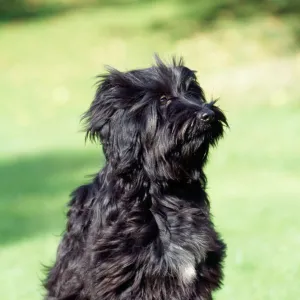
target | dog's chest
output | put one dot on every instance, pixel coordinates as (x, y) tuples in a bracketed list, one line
[(187, 243)]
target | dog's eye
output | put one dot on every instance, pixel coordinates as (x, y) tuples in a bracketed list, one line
[(163, 99)]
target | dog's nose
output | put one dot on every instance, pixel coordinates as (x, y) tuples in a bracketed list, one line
[(207, 115)]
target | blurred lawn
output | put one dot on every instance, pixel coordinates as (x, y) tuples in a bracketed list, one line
[(48, 67)]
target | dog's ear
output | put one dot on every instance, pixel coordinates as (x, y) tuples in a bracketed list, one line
[(97, 118), (125, 150), (110, 120)]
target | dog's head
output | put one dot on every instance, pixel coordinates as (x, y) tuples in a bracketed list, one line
[(156, 120)]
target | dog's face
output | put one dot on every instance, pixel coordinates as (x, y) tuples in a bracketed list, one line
[(155, 119)]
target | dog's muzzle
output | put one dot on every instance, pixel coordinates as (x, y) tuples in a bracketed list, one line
[(206, 115)]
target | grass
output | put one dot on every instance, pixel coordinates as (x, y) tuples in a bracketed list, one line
[(50, 64)]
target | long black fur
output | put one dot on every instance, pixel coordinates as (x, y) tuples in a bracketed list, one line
[(141, 230)]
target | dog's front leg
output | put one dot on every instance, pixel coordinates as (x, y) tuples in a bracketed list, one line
[(209, 272), (118, 258)]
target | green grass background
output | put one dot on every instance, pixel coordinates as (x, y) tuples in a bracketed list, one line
[(48, 66)]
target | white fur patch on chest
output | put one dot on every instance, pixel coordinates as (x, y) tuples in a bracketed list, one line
[(188, 273), (182, 261)]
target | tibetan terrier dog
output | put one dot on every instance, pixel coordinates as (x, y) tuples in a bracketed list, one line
[(142, 229)]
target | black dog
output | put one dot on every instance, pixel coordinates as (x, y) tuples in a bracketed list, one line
[(142, 229)]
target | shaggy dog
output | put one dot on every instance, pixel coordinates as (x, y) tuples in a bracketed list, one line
[(141, 230)]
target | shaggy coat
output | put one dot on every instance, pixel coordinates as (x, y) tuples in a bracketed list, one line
[(142, 230)]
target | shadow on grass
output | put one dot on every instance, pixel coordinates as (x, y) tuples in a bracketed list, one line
[(205, 12), (195, 15), (34, 191), (22, 10), (191, 16)]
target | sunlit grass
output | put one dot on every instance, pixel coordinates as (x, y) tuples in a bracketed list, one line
[(50, 67)]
